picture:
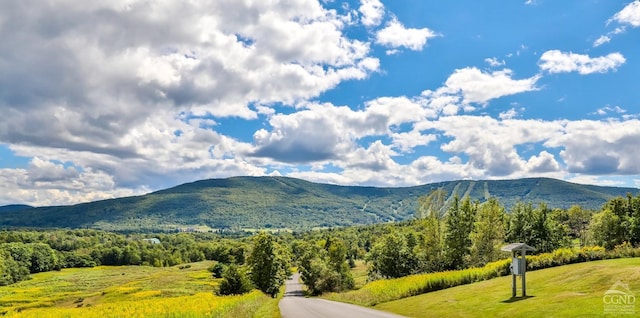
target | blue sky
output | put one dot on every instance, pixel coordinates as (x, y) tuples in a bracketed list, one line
[(106, 99)]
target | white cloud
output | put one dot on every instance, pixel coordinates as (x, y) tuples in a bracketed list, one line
[(490, 143), (372, 12), (477, 86), (509, 114), (121, 62), (491, 146), (601, 40), (377, 157), (609, 109), (395, 35), (407, 141), (555, 61), (607, 37), (600, 147), (544, 162), (48, 183), (630, 14), (324, 132), (494, 62)]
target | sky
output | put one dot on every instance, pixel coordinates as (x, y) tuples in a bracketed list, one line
[(110, 98)]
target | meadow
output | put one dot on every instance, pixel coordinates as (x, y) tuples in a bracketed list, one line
[(130, 291)]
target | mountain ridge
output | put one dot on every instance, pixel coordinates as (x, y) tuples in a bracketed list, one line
[(283, 202)]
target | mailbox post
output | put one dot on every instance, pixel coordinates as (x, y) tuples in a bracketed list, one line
[(518, 265)]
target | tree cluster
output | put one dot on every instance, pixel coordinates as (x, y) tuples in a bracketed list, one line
[(24, 252), (324, 267), (457, 233)]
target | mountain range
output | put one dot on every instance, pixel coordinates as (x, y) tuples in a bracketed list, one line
[(280, 202)]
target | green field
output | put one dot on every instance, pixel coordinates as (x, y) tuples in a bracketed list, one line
[(119, 291), (567, 291)]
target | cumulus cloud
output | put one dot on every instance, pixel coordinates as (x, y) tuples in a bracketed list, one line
[(407, 141), (600, 147), (555, 61), (544, 162), (491, 146), (323, 131), (45, 182), (109, 64), (477, 86), (509, 114), (490, 143), (630, 14), (395, 35), (372, 12), (47, 171), (377, 157)]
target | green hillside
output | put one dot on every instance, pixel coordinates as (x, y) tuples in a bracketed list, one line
[(279, 202), (566, 291)]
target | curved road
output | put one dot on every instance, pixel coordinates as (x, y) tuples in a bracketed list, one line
[(295, 305)]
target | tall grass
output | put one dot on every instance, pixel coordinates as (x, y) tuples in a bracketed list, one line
[(392, 289), (199, 305)]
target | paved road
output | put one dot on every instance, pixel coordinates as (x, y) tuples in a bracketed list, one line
[(295, 305)]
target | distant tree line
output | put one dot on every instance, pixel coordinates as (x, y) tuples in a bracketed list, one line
[(25, 252)]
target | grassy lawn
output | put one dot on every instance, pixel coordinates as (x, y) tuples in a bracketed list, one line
[(575, 290), (112, 291)]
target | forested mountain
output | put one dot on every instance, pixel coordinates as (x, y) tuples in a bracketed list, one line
[(280, 202)]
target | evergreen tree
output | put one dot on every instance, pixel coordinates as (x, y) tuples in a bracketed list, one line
[(459, 224), (521, 224), (537, 227)]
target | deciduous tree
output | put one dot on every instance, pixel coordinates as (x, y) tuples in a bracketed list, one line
[(269, 263)]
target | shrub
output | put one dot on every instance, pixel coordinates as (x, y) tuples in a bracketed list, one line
[(217, 269), (236, 281)]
